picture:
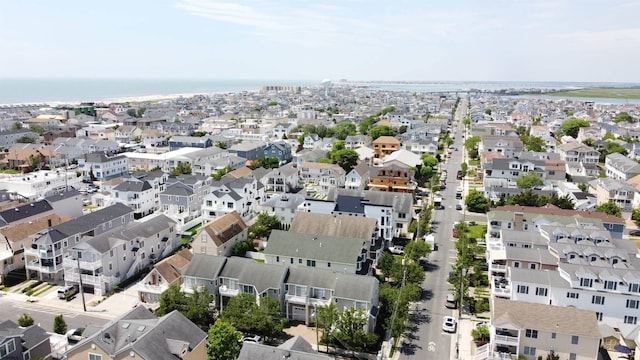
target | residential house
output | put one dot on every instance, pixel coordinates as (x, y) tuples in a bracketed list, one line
[(336, 253), (219, 236), (8, 138), (281, 180), (154, 138), (165, 273), (520, 328), (250, 150), (403, 158), (17, 342), (127, 134), (201, 142), (102, 167), (358, 177), (393, 211), (282, 130), (14, 239), (139, 334), (312, 141), (321, 176), (506, 145), (392, 178), (295, 348), (138, 195), (592, 133), (183, 197), (574, 153), (62, 132), (614, 190), (242, 275), (44, 121), (24, 160), (620, 167), (385, 145), (243, 195), (343, 226), (353, 142), (421, 147), (307, 289), (44, 260), (284, 207), (279, 150), (307, 155), (106, 260)]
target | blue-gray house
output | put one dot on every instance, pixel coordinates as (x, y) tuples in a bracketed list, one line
[(280, 150)]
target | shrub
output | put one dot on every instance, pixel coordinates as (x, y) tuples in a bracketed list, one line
[(25, 320)]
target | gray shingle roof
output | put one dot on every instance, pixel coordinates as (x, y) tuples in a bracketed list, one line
[(334, 225), (136, 186), (247, 271), (25, 211), (252, 351), (88, 222), (345, 286), (205, 266), (339, 250), (142, 332)]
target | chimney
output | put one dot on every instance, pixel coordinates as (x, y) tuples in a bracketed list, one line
[(518, 218)]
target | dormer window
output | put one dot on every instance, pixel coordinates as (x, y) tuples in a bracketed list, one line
[(586, 282)]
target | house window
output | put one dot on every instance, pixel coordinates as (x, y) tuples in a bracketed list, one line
[(277, 259), (299, 261), (573, 356), (522, 289), (630, 320), (7, 348), (553, 335), (328, 264), (634, 288), (597, 299), (586, 282), (530, 333), (541, 291), (111, 252), (611, 285), (95, 356), (573, 295), (124, 258), (110, 266), (530, 350), (632, 304), (291, 261), (574, 339), (311, 263), (516, 264), (532, 266), (599, 316)]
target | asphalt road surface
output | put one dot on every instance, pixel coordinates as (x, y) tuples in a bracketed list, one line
[(425, 338)]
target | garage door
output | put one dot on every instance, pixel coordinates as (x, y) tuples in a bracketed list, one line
[(297, 313)]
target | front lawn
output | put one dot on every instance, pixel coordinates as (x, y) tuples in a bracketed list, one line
[(477, 231)]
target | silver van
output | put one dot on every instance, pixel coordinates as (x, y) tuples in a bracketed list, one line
[(66, 292), (450, 302)]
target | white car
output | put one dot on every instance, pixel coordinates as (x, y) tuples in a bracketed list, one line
[(398, 250), (449, 324), (75, 334)]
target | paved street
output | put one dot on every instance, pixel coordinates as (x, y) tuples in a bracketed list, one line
[(425, 339)]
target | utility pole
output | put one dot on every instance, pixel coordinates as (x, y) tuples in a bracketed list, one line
[(84, 305)]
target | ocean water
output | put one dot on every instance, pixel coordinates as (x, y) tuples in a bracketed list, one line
[(54, 90)]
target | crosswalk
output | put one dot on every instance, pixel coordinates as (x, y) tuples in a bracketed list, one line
[(45, 309)]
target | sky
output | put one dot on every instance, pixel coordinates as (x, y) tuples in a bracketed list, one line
[(358, 40)]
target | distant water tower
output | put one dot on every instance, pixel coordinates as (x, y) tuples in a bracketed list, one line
[(326, 83)]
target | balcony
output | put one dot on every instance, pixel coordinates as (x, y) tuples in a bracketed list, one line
[(507, 340), (35, 265), (497, 267), (225, 291), (294, 299), (94, 280), (495, 355), (39, 253), (154, 289), (84, 265)]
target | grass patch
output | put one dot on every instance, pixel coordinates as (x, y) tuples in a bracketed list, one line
[(259, 260), (194, 229), (474, 162), (477, 231), (611, 93), (42, 290), (10, 171)]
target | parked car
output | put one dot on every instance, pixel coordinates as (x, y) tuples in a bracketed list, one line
[(484, 323), (252, 338), (458, 207), (450, 302), (75, 334), (449, 324), (398, 250), (634, 232)]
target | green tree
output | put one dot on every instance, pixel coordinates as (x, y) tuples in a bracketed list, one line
[(635, 216), (200, 308), (366, 124), (132, 113), (16, 126), (224, 341), (535, 143), (380, 130), (476, 202), (59, 325), (563, 202), (245, 315), (265, 162), (350, 329), (25, 320), (529, 180), (480, 333), (172, 299), (182, 168), (344, 129), (471, 144), (38, 129), (327, 318), (263, 226), (487, 111), (345, 158), (612, 148), (35, 161), (572, 127), (623, 116), (415, 250), (429, 160), (464, 167), (610, 208), (221, 172), (25, 140), (608, 136), (584, 187), (386, 264)]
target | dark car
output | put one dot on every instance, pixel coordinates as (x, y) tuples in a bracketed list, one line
[(458, 207), (634, 232)]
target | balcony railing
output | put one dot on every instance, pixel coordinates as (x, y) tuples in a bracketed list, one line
[(156, 289), (96, 280), (494, 355), (501, 291), (84, 265), (35, 265), (224, 290), (507, 340), (497, 267)]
